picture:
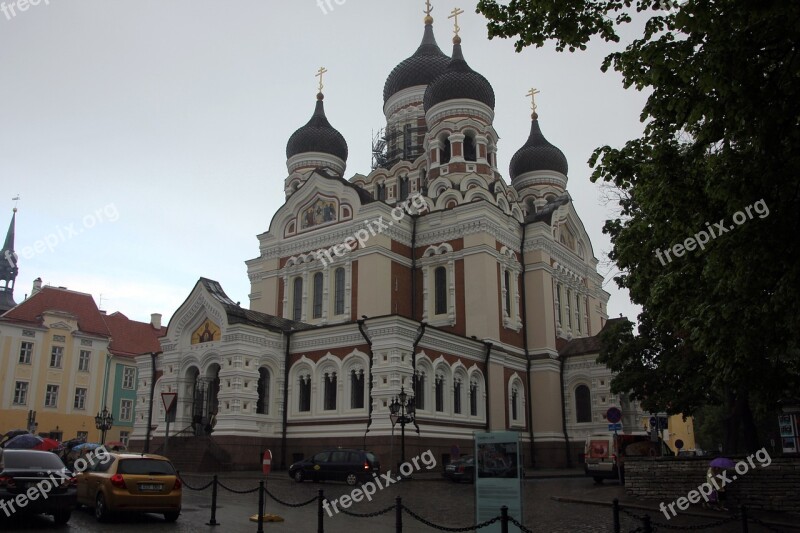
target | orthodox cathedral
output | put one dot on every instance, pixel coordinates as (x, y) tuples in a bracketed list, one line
[(433, 276)]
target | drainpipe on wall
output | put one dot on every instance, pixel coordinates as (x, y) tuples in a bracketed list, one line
[(525, 343), (153, 356), (371, 359), (420, 333), (288, 336), (564, 416), (414, 267), (488, 345)]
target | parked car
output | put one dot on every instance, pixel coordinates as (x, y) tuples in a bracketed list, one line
[(348, 465), (462, 469), (23, 470), (605, 453), (128, 482)]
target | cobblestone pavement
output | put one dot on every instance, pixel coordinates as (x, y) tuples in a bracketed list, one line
[(436, 500)]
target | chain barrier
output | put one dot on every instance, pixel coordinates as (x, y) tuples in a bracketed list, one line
[(519, 525), (287, 504), (236, 491), (698, 527), (418, 518), (369, 515), (204, 487), (762, 524)]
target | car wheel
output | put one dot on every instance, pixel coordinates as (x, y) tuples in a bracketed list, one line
[(171, 516), (100, 510), (298, 476), (351, 479), (598, 480), (62, 517)]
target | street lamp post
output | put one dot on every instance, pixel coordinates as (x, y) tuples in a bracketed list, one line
[(103, 421), (402, 410)]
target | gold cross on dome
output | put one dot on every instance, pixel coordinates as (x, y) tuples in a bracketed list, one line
[(428, 7), (320, 73), (454, 15), (532, 93)]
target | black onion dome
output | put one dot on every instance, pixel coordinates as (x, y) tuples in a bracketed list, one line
[(420, 69), (459, 81), (537, 154), (317, 136)]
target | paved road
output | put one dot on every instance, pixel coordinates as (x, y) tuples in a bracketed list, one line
[(439, 501)]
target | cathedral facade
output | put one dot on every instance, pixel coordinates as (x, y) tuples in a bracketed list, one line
[(432, 275)]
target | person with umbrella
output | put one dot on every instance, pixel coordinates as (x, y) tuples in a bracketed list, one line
[(718, 495)]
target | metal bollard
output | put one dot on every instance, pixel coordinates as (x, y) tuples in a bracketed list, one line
[(745, 527), (320, 515), (504, 519), (260, 507), (398, 515), (213, 521), (615, 510)]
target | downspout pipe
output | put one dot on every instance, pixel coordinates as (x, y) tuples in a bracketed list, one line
[(525, 343), (489, 346), (420, 333), (363, 332), (414, 268), (153, 356), (288, 336), (567, 450)]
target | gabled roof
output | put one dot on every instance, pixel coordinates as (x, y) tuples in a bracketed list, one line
[(79, 304), (586, 345), (130, 338)]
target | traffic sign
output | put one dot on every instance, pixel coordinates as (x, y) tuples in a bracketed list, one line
[(653, 422), (266, 462), (615, 427), (613, 415), (679, 444)]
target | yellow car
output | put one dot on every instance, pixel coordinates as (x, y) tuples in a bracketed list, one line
[(131, 482)]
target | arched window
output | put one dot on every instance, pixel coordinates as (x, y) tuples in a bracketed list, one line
[(507, 275), (558, 304), (439, 393), (404, 188), (304, 404), (583, 404), (318, 295), (262, 408), (470, 148), (457, 396), (297, 299), (440, 290), (514, 403), (578, 317), (380, 191), (445, 151), (407, 142), (569, 313), (330, 391), (356, 389), (338, 281), (419, 390), (473, 397)]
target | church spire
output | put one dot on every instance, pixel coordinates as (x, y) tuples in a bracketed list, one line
[(8, 267)]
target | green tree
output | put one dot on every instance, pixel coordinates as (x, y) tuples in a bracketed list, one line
[(720, 321)]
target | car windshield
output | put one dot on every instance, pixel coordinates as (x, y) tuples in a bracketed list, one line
[(29, 460), (145, 466), (371, 457)]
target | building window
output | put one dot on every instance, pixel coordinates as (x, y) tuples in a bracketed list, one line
[(470, 149), (297, 299), (439, 393), (473, 397), (124, 436), (445, 151), (583, 404), (338, 280), (558, 304), (262, 408), (56, 355), (440, 290), (381, 191), (514, 403), (457, 396), (357, 389), (21, 393), (128, 377), (419, 390), (403, 188), (507, 276), (329, 391), (318, 295), (25, 353), (126, 410), (83, 360), (51, 396), (80, 399), (407, 142), (569, 313), (305, 394), (578, 318)]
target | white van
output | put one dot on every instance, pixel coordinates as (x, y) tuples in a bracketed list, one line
[(604, 453)]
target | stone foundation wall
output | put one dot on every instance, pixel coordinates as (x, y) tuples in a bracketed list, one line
[(774, 487)]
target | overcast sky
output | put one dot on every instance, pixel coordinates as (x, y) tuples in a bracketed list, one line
[(147, 138)]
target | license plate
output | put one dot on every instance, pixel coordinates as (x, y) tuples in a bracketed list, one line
[(151, 487)]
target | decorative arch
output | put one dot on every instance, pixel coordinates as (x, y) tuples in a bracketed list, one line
[(582, 396), (516, 401)]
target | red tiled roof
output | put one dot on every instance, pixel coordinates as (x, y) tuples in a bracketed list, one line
[(130, 338), (80, 304)]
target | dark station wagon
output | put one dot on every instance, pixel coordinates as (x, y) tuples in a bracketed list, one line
[(348, 465)]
